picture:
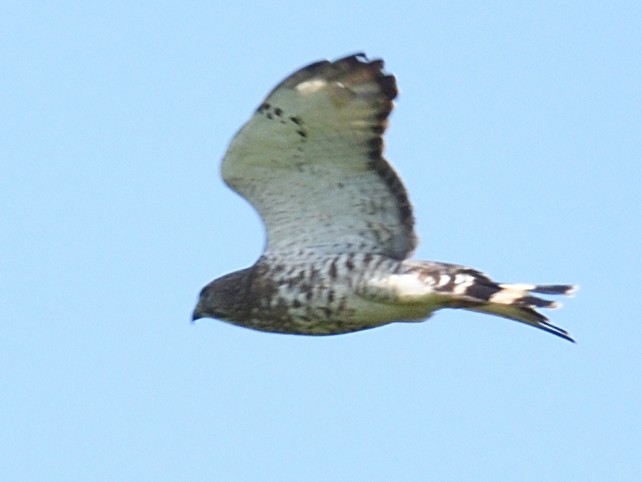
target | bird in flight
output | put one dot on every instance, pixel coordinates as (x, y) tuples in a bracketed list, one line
[(340, 227)]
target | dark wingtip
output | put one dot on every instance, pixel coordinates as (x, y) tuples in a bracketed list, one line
[(356, 56)]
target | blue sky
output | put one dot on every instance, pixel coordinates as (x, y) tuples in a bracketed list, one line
[(518, 134)]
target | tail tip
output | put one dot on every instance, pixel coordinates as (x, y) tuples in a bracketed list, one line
[(566, 290), (572, 289)]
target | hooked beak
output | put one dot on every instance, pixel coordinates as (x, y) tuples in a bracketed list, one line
[(197, 314)]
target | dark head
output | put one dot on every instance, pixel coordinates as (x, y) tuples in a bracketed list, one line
[(223, 298)]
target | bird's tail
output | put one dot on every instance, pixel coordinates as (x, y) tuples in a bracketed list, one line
[(517, 302), (470, 289)]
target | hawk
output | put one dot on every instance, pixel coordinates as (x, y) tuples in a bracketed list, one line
[(340, 227)]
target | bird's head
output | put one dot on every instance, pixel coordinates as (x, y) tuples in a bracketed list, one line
[(222, 298)]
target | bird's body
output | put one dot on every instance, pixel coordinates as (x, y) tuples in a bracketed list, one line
[(316, 295), (339, 223)]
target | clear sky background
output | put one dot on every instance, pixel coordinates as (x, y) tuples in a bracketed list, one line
[(518, 134)]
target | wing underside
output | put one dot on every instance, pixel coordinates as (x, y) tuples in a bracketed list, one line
[(310, 162)]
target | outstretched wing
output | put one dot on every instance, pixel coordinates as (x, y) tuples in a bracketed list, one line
[(310, 162)]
